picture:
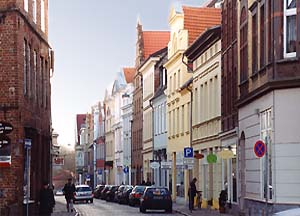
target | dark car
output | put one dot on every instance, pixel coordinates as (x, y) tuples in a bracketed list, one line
[(158, 198), (97, 191), (103, 192), (118, 193), (110, 194), (124, 197), (136, 194)]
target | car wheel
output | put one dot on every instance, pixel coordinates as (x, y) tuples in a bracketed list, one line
[(142, 209), (169, 210)]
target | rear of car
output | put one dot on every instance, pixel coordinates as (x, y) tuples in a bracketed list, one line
[(118, 193), (156, 198), (124, 198), (83, 193), (136, 194), (110, 194), (104, 192), (97, 191)]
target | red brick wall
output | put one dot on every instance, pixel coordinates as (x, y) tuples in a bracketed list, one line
[(29, 118)]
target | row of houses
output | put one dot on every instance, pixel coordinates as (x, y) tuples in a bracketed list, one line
[(223, 80)]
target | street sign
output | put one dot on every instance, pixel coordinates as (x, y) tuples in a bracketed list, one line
[(154, 165), (226, 154), (126, 169), (58, 161), (260, 148), (198, 156), (187, 161), (5, 128), (166, 164), (188, 152), (100, 171), (211, 158), (28, 143)]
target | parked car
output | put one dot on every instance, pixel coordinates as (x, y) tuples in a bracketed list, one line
[(290, 212), (136, 194), (97, 191), (124, 197), (110, 194), (83, 192), (103, 192), (118, 193), (59, 192), (158, 198)]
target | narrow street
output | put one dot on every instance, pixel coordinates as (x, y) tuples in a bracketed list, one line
[(101, 207)]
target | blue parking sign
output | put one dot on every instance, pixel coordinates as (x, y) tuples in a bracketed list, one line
[(188, 152)]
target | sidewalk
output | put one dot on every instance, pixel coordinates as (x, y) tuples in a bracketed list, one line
[(60, 210), (184, 210)]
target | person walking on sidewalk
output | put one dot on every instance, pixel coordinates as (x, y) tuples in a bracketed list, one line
[(46, 200), (192, 193), (69, 190)]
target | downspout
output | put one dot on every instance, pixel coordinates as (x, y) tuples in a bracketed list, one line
[(151, 105)]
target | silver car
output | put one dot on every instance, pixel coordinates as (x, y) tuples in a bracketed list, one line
[(83, 193), (290, 212)]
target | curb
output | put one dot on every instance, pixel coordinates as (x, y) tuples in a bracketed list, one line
[(181, 212)]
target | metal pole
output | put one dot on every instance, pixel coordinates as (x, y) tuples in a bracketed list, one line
[(27, 180), (95, 171), (266, 176)]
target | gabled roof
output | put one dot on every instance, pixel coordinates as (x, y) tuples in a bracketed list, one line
[(154, 41), (129, 74), (198, 19)]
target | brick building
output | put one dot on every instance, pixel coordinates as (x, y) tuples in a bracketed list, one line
[(25, 66), (268, 103), (147, 43)]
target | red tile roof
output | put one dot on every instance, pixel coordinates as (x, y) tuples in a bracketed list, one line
[(129, 74), (198, 19), (154, 41)]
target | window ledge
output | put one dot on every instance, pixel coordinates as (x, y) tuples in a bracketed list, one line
[(254, 75), (287, 60)]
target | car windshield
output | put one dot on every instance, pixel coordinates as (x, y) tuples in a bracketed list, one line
[(157, 191), (114, 188), (139, 189), (82, 189)]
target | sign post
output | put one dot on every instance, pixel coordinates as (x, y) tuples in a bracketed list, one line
[(27, 147)]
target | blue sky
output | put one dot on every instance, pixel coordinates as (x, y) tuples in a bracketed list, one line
[(92, 40)]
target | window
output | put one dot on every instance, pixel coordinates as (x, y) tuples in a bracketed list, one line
[(46, 85), (178, 121), (34, 10), (269, 31), (29, 70), (290, 28), (254, 43), (41, 82), (35, 81), (183, 118), (243, 46), (170, 85), (25, 56), (262, 36), (26, 5), (43, 15), (175, 86), (266, 134)]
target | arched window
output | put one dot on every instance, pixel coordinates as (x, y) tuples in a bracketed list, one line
[(243, 46)]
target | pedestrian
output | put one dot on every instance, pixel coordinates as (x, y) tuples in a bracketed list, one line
[(46, 200), (192, 193), (69, 190), (143, 182), (148, 183)]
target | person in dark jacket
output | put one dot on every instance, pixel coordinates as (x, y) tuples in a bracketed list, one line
[(68, 191), (192, 193), (46, 200)]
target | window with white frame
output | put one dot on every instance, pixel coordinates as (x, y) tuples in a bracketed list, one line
[(34, 10), (26, 5), (25, 56), (266, 134), (290, 28), (43, 15)]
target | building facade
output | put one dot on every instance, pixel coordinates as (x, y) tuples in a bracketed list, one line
[(25, 103), (127, 123), (268, 85), (186, 26), (205, 55), (159, 103), (229, 92), (109, 136)]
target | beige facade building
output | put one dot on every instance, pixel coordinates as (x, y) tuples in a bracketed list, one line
[(185, 26), (205, 54)]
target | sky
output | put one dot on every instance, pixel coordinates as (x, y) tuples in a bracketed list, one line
[(92, 41)]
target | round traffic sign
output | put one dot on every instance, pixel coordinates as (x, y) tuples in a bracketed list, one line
[(260, 148)]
